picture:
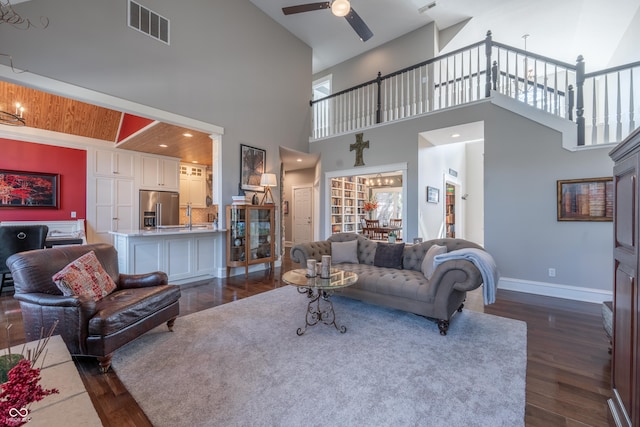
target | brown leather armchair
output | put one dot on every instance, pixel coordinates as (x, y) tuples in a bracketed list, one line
[(90, 328)]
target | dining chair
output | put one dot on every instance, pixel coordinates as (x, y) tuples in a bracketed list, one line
[(19, 238), (396, 223), (373, 227)]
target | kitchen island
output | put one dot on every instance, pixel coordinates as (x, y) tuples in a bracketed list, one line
[(186, 255)]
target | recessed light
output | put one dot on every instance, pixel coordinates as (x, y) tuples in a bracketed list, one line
[(455, 135), (194, 161), (187, 134), (163, 145), (298, 160)]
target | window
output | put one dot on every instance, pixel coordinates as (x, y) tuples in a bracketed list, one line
[(322, 110), (389, 203)]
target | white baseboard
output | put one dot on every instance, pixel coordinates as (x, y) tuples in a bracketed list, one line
[(556, 290)]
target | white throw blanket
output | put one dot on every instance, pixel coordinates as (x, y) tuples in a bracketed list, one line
[(483, 261)]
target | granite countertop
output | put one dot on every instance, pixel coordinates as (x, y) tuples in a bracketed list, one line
[(196, 229)]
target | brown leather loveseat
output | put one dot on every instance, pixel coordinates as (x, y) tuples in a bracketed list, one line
[(90, 328)]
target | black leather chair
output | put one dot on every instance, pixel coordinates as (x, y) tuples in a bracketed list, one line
[(19, 238)]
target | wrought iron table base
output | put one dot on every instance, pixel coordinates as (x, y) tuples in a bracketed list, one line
[(316, 313)]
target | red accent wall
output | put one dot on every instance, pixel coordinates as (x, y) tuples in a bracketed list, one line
[(131, 124), (69, 163)]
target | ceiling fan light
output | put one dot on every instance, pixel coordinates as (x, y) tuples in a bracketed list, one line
[(340, 7)]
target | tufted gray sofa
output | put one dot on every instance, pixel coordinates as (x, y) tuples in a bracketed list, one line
[(407, 288)]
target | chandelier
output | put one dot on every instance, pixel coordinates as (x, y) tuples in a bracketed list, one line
[(388, 181), (9, 16), (11, 119)]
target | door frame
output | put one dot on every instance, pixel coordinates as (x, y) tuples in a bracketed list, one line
[(458, 213), (364, 170)]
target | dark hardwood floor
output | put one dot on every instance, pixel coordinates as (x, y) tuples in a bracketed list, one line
[(568, 365)]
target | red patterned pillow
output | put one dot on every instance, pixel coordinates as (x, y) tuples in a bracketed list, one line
[(85, 276)]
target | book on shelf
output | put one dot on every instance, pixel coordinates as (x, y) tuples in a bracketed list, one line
[(241, 200)]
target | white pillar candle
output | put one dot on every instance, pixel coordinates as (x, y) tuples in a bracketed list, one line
[(311, 267), (326, 267)]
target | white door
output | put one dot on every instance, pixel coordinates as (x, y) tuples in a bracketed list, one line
[(115, 208), (302, 215)]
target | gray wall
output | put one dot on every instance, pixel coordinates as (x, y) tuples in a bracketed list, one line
[(522, 161), (228, 64), (410, 49)]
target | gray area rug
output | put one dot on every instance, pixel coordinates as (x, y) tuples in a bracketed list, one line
[(242, 364)]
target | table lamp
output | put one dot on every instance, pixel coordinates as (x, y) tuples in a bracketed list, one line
[(268, 180)]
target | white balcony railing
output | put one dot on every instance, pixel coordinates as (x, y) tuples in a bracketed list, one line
[(471, 73)]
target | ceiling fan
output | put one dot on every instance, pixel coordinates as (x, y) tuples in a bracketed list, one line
[(338, 8)]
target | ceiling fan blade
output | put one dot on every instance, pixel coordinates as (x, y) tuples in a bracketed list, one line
[(305, 8), (358, 25)]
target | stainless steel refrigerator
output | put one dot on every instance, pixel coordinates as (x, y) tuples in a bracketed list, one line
[(159, 208)]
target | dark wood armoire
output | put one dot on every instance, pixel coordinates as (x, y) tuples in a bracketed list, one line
[(625, 366)]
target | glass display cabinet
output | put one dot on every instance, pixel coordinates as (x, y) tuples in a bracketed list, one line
[(250, 236)]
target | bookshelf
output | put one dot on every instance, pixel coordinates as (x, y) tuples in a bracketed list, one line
[(348, 195), (450, 209)]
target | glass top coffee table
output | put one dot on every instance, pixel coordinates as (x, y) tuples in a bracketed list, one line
[(319, 291)]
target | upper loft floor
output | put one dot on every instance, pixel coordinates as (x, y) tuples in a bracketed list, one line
[(604, 105)]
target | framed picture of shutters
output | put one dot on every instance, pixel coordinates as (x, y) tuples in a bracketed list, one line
[(589, 199)]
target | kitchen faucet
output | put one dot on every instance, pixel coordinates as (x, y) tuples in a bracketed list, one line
[(190, 225)]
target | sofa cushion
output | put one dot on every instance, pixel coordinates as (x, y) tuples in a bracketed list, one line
[(428, 266), (344, 252), (389, 255), (391, 281), (85, 276)]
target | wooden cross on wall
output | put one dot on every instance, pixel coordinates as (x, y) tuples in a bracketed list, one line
[(359, 147)]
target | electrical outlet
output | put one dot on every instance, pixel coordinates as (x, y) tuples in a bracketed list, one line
[(73, 214), (552, 272)]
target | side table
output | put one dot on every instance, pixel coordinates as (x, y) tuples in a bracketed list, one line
[(319, 291)]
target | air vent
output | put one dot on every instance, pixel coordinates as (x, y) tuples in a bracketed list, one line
[(148, 22)]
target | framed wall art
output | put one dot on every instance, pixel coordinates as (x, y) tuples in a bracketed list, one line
[(433, 195), (252, 162), (28, 189), (589, 199)]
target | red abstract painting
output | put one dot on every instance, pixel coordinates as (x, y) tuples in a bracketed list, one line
[(28, 189)]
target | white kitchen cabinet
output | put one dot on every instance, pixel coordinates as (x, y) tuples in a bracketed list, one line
[(115, 207), (178, 258), (193, 186), (116, 163), (159, 173)]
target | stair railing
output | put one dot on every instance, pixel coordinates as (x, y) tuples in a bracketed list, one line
[(468, 74), (614, 104)]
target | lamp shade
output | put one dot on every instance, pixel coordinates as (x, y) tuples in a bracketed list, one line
[(268, 180)]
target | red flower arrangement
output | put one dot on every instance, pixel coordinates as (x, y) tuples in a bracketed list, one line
[(21, 388), (371, 205), (19, 392)]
